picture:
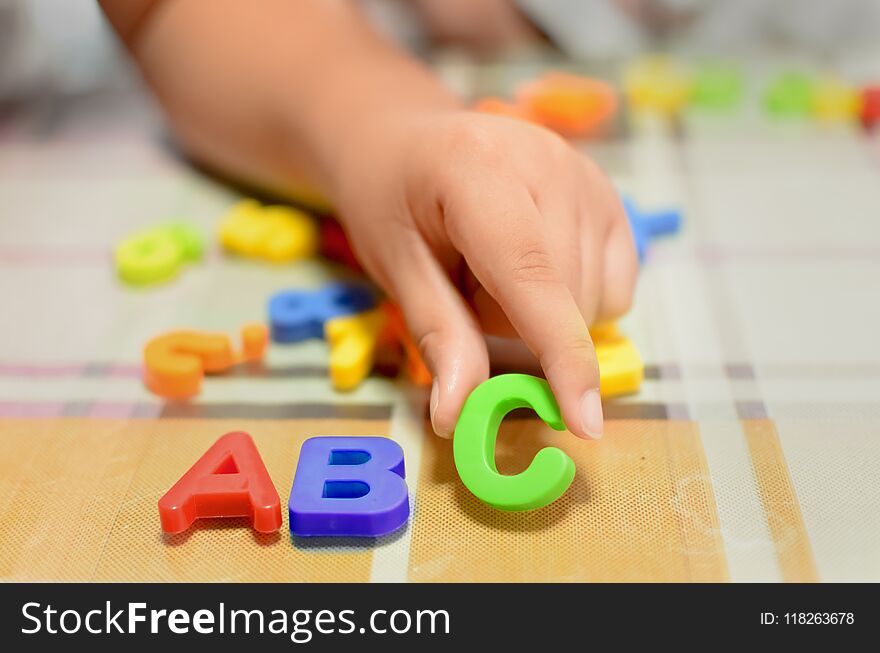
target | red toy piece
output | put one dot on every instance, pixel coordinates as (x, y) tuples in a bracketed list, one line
[(335, 246), (870, 106), (229, 480)]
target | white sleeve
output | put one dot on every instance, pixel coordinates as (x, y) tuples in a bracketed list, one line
[(586, 28), (60, 46)]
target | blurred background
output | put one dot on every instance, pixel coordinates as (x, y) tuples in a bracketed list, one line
[(65, 47)]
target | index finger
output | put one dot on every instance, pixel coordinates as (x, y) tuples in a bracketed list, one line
[(497, 228)]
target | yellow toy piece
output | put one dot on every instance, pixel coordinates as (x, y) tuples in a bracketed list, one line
[(352, 341), (833, 100), (274, 233), (620, 363), (657, 83)]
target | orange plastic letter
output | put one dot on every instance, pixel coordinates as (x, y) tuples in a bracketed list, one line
[(397, 331), (175, 362)]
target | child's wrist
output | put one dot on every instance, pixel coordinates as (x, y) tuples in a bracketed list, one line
[(360, 105)]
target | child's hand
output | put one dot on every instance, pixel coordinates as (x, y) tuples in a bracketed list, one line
[(479, 223), (472, 222)]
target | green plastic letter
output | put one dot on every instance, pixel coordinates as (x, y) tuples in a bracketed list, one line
[(156, 255), (551, 471)]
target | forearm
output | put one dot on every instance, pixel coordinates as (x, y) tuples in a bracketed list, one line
[(271, 91)]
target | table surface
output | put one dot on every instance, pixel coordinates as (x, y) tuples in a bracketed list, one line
[(752, 451)]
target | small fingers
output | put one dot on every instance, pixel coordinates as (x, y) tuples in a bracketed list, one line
[(448, 336), (498, 229)]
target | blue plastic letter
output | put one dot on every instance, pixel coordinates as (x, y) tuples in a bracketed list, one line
[(348, 486), (297, 315), (648, 226)]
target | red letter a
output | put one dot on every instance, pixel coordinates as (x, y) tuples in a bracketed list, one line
[(229, 480)]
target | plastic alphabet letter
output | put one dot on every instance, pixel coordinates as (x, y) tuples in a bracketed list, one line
[(870, 113), (176, 362), (717, 86), (335, 246), (569, 104), (790, 94), (274, 233), (646, 227), (549, 474), (157, 254), (396, 332), (348, 486), (353, 340), (619, 361), (297, 315), (229, 480), (834, 100), (657, 84)]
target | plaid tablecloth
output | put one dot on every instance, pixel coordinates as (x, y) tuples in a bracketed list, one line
[(752, 451)]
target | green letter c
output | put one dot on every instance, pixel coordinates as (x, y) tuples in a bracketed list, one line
[(549, 474)]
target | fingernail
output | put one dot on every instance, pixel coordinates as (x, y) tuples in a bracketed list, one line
[(435, 400), (591, 414)]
